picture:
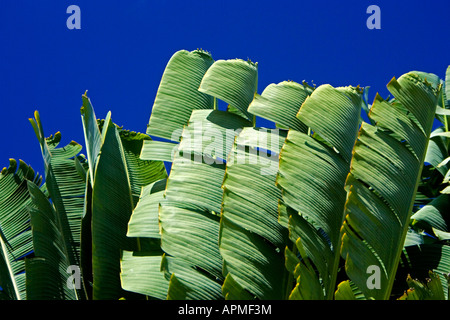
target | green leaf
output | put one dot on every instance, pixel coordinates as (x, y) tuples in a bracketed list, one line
[(112, 205), (436, 215), (446, 190), (233, 81), (86, 241), (280, 103), (119, 175), (414, 237), (401, 127), (419, 260), (312, 290), (437, 150), (262, 274), (415, 95), (158, 150), (141, 270), (385, 171), (92, 135), (428, 78), (47, 275), (188, 217), (210, 134), (186, 283), (339, 106), (431, 290), (65, 185), (444, 163), (197, 244), (447, 86), (347, 290), (232, 290), (251, 240), (312, 174), (440, 134), (15, 230), (189, 214), (141, 273), (178, 94), (442, 111), (441, 235), (140, 172), (144, 222)]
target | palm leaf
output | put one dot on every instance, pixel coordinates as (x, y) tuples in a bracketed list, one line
[(385, 171), (442, 111), (15, 229), (141, 270), (148, 177), (86, 240), (210, 134)]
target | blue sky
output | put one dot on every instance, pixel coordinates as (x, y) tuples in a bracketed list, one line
[(121, 50)]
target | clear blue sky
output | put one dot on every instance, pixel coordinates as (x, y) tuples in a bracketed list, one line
[(121, 50)]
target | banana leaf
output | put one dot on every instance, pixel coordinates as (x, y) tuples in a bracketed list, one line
[(280, 103), (234, 81), (192, 203), (430, 290), (312, 174), (15, 228), (141, 273), (112, 204), (47, 273), (178, 94), (251, 240), (118, 176), (65, 182), (434, 215), (417, 261), (384, 176)]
